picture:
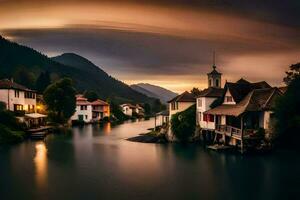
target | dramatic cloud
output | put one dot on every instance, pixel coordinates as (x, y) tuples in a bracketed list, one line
[(169, 43)]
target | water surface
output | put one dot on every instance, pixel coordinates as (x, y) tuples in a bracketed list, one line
[(95, 162)]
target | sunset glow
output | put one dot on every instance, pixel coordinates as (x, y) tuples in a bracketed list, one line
[(164, 44)]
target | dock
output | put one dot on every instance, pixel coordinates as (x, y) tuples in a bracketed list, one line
[(39, 133), (217, 147)]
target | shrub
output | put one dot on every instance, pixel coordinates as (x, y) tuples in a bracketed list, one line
[(183, 124), (9, 136)]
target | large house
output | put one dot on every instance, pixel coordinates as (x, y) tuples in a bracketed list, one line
[(246, 108), (90, 111), (181, 103), (17, 98)]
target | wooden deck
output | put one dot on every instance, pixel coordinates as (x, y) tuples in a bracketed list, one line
[(229, 131), (39, 133)]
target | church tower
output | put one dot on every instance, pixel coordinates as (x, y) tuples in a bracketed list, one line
[(214, 77)]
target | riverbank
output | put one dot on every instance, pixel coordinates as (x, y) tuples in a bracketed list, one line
[(150, 137)]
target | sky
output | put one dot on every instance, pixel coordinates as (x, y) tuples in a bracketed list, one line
[(168, 43)]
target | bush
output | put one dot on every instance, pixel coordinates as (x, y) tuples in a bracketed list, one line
[(9, 136), (183, 124), (8, 118)]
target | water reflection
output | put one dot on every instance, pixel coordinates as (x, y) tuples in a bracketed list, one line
[(107, 128), (40, 161)]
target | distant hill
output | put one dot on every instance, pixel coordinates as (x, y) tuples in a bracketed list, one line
[(154, 91), (87, 76)]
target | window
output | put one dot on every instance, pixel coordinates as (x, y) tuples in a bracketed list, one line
[(208, 118), (84, 107), (199, 102), (210, 83), (217, 82), (174, 106), (18, 107), (86, 116), (205, 117), (199, 116), (17, 93), (29, 95), (211, 118), (228, 99)]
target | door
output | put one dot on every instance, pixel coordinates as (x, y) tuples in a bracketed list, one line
[(80, 117)]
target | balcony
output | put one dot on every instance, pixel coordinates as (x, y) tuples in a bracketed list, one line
[(229, 131)]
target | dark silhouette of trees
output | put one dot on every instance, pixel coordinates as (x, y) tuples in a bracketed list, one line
[(42, 82), (60, 100), (287, 110)]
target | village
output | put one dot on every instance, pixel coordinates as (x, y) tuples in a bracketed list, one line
[(239, 114)]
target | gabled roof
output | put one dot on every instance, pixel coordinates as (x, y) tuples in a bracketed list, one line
[(212, 92), (256, 100), (8, 84), (81, 101), (99, 102), (184, 97), (242, 87)]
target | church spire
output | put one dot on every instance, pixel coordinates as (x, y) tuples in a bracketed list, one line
[(214, 60), (214, 77)]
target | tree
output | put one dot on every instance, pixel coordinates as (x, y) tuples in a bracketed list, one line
[(91, 95), (60, 100), (24, 77), (42, 82), (195, 91), (287, 114), (147, 108), (183, 124), (292, 74)]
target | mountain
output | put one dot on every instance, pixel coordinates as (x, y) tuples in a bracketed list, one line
[(154, 91), (25, 64)]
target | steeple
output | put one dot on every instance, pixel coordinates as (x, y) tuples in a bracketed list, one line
[(214, 77)]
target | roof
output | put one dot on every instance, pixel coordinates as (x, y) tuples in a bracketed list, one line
[(214, 71), (211, 92), (242, 87), (163, 113), (184, 97), (35, 115), (129, 105), (9, 84), (283, 89), (81, 101), (99, 102), (256, 100)]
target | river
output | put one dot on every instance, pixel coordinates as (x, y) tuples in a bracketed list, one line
[(96, 162)]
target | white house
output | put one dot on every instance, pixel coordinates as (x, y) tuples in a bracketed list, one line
[(181, 103), (90, 111), (206, 98), (246, 107), (130, 110), (204, 101), (17, 97)]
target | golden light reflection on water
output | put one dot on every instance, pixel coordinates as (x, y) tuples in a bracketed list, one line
[(107, 128), (40, 161)]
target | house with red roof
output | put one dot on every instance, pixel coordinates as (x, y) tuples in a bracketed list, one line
[(88, 112)]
